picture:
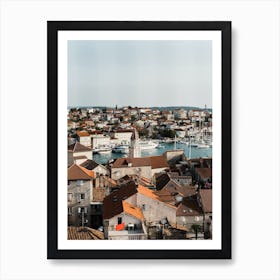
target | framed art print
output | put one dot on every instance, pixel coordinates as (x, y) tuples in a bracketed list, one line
[(139, 140)]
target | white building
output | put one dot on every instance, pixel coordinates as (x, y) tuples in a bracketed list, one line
[(123, 136), (100, 140), (84, 138), (77, 151)]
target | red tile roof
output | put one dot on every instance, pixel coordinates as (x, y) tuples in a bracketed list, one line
[(77, 147), (76, 172), (82, 133), (84, 233), (154, 162), (189, 207), (133, 211), (206, 199)]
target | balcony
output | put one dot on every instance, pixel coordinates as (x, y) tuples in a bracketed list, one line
[(128, 234)]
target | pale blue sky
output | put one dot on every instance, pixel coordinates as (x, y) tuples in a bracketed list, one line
[(140, 73)]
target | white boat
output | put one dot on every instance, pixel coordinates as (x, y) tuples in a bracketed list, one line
[(104, 150), (122, 149), (95, 150), (203, 146), (160, 146), (147, 145)]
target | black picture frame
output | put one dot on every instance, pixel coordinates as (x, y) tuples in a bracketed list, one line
[(53, 27)]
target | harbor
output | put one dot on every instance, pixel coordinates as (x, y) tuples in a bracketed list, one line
[(191, 152)]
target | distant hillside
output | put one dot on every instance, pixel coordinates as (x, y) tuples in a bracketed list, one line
[(154, 108)]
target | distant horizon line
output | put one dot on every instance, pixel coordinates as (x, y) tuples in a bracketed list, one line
[(167, 106)]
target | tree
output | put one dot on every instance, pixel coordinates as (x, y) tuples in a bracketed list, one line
[(167, 133)]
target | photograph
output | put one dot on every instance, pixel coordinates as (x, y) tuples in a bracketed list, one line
[(143, 139), (139, 140)]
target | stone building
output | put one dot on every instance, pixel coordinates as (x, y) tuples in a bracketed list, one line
[(84, 138), (145, 167), (123, 220), (77, 153), (80, 185)]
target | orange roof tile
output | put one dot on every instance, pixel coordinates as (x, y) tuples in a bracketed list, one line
[(133, 211), (152, 194), (88, 172), (147, 192), (82, 133), (112, 181), (76, 172)]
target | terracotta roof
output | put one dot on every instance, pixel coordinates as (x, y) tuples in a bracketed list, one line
[(154, 162), (204, 172), (133, 211), (77, 147), (147, 192), (89, 164), (84, 233), (76, 172), (189, 207), (113, 202), (206, 199), (135, 162), (162, 196), (165, 196), (82, 133), (172, 186), (158, 162)]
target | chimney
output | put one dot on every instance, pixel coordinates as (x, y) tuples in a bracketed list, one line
[(97, 180)]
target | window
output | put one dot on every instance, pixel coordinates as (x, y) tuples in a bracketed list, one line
[(82, 210), (144, 207), (119, 220), (69, 210), (80, 182), (70, 196), (82, 196)]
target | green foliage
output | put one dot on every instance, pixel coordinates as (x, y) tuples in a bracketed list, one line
[(167, 133)]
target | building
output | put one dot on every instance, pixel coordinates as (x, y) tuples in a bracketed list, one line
[(97, 168), (134, 149), (80, 186), (145, 167), (190, 213), (84, 233), (123, 220), (204, 176), (156, 206), (99, 140), (84, 138), (174, 156), (206, 202), (78, 152)]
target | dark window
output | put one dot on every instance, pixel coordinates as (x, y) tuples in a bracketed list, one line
[(119, 220)]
